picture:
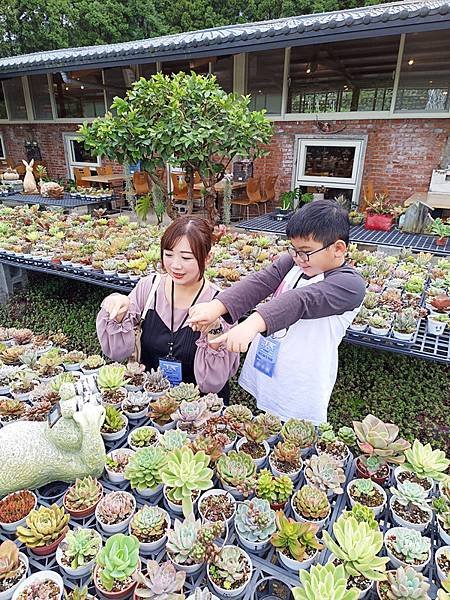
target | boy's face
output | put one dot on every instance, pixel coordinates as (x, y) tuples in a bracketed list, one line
[(323, 259)]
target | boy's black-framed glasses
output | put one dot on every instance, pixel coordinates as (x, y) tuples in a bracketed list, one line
[(304, 256)]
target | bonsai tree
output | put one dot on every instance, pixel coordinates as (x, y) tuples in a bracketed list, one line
[(182, 120)]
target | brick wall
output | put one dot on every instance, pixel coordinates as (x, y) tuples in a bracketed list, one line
[(400, 154)]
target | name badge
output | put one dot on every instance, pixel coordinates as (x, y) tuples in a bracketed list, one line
[(266, 355), (172, 370)]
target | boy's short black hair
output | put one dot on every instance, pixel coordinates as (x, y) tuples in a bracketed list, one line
[(322, 220)]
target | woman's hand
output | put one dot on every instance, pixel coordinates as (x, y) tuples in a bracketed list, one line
[(239, 338), (204, 314), (117, 306)]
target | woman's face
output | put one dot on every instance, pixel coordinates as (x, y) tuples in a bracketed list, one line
[(181, 264)]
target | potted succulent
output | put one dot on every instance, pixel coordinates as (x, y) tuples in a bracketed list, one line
[(409, 506), (49, 364), (311, 505), (155, 384), (191, 416), (161, 582), (332, 444), (407, 547), (116, 463), (135, 375), (173, 439), (379, 323), (6, 375), (15, 508), (143, 437), (214, 403), (404, 582), (72, 360), (324, 581), (368, 493), (326, 473), (361, 321), (111, 383), (115, 424), (405, 325), (213, 446), (11, 410), (150, 524), (82, 497), (423, 466), (160, 413), (46, 527), (442, 560), (202, 594), (91, 365), (43, 584), (381, 446), (254, 442), (299, 432), (296, 543), (271, 424), (442, 507), (356, 546), (77, 551), (23, 384), (115, 511), (236, 471), (78, 593), (217, 505), (144, 471), (184, 474), (231, 572), (441, 230), (285, 459), (276, 490), (223, 428), (117, 565), (13, 568), (254, 523), (109, 266), (135, 406), (238, 413), (437, 323), (355, 217), (379, 213)]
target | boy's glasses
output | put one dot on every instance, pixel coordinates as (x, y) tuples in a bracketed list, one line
[(304, 256)]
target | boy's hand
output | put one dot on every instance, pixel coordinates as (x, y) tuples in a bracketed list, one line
[(204, 314), (239, 338)]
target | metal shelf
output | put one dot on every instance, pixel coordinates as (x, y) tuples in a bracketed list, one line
[(67, 201)]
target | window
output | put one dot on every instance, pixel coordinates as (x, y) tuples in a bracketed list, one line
[(198, 65), (357, 75), (333, 166), (15, 99), (2, 147), (222, 67), (77, 155), (79, 94), (117, 81), (147, 70), (265, 80), (40, 97), (3, 113), (425, 73)]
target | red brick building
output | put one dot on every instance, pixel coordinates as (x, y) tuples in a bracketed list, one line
[(356, 96)]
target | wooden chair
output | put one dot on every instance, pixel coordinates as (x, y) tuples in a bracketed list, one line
[(141, 183), (79, 173), (269, 191), (253, 197), (106, 170)]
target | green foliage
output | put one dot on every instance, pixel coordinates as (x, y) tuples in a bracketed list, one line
[(327, 582), (118, 559)]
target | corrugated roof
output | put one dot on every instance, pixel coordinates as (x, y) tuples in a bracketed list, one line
[(307, 29)]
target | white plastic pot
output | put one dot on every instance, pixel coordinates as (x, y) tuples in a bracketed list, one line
[(301, 519), (401, 469), (445, 537), (130, 436), (403, 523), (149, 493), (237, 495), (259, 462), (294, 475), (238, 591), (296, 565), (40, 576), (150, 547), (252, 546), (192, 596), (81, 571), (8, 594), (188, 569), (163, 428), (176, 508), (396, 562), (406, 337), (441, 574), (117, 527), (112, 437), (11, 527), (213, 492), (112, 475), (358, 327), (135, 416), (381, 331), (435, 327), (375, 509)]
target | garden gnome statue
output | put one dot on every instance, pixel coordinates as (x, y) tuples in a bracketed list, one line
[(34, 453), (29, 182)]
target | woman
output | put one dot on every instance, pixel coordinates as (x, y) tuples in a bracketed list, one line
[(166, 340)]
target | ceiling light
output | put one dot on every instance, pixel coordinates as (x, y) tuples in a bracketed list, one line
[(82, 87), (67, 88), (410, 62), (308, 69)]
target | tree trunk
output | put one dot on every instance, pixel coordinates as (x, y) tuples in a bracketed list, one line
[(189, 177), (171, 212)]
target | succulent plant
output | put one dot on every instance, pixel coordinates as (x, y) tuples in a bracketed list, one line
[(47, 363), (328, 582), (83, 494), (93, 361), (144, 436), (80, 546), (115, 507), (111, 377), (381, 439), (239, 413), (44, 526), (74, 357), (202, 594), (407, 584), (187, 392), (325, 472), (405, 321), (24, 381), (173, 439), (214, 402), (311, 503), (236, 468), (149, 523), (213, 446), (287, 454), (425, 462), (134, 369), (9, 561), (254, 431), (255, 520), (346, 435), (273, 489), (295, 537), (77, 594), (155, 382), (270, 422), (161, 410), (411, 494), (357, 546), (444, 594), (410, 545), (185, 472), (192, 413), (117, 460), (22, 336), (114, 420), (16, 506), (230, 567), (162, 582), (182, 538), (10, 408), (299, 432), (60, 380), (362, 513), (363, 487), (11, 355), (118, 559), (144, 469)]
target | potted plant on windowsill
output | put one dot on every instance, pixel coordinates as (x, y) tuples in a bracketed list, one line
[(380, 213)]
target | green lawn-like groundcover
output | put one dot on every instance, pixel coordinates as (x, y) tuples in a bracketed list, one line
[(410, 392)]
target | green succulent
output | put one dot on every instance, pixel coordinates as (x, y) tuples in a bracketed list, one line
[(182, 538), (185, 472), (347, 436), (187, 392), (161, 582), (411, 494), (407, 584), (144, 468), (84, 493), (114, 420), (271, 423), (357, 546), (362, 514), (255, 520), (80, 546), (300, 432), (239, 413), (363, 487), (143, 436), (325, 472), (230, 567), (236, 468), (149, 523), (328, 436), (311, 503), (77, 594), (410, 545), (283, 488), (173, 439), (328, 582), (118, 559), (425, 462), (294, 537), (111, 377)]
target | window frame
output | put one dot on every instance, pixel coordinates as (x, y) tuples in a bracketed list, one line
[(69, 137), (2, 147)]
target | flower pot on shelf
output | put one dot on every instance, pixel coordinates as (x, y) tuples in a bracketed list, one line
[(7, 594), (50, 548), (40, 576), (377, 222)]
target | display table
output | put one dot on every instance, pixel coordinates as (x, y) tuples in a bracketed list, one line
[(67, 202)]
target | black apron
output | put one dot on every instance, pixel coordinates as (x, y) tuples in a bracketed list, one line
[(155, 342)]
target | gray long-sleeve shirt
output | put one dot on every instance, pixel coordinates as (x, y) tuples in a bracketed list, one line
[(341, 290)]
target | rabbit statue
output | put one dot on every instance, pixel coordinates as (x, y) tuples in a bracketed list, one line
[(29, 182)]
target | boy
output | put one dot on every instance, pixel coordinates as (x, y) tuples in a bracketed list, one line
[(292, 363)]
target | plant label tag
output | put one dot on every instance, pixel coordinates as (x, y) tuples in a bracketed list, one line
[(172, 370), (266, 355), (54, 415)]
